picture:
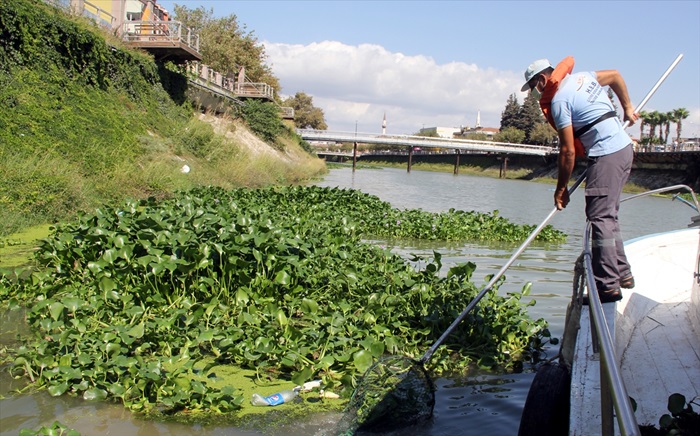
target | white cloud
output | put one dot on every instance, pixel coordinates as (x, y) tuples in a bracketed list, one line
[(358, 84)]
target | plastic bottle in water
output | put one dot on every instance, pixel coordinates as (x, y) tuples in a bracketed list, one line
[(274, 399)]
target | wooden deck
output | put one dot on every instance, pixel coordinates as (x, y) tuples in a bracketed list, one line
[(166, 40)]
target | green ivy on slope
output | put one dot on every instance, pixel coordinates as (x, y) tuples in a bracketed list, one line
[(74, 112)]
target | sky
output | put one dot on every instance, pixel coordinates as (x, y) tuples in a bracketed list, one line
[(445, 63)]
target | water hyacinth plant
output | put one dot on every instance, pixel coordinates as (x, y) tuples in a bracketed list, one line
[(145, 302)]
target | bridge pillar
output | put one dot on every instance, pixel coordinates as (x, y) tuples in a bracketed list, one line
[(354, 156), (457, 163), (504, 167), (410, 158)]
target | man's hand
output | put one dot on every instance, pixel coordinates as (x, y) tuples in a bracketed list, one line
[(630, 116), (561, 197)]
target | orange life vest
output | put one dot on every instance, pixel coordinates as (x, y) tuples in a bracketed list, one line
[(563, 68)]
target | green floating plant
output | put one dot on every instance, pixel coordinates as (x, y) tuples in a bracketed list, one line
[(144, 303)]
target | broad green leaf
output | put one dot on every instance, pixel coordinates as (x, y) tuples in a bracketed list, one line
[(56, 310), (206, 336), (281, 318), (58, 390), (72, 304), (137, 331), (94, 394), (362, 360), (282, 278), (110, 255), (117, 390), (112, 348), (242, 297), (107, 284), (309, 306), (377, 349)]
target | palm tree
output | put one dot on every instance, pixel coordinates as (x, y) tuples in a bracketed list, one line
[(653, 119), (668, 119), (643, 115), (679, 115)]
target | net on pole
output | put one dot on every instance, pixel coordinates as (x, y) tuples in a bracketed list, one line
[(394, 392)]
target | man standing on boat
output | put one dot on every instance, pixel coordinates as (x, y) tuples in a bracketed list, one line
[(578, 107)]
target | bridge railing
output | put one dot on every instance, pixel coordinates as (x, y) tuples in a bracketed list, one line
[(428, 142)]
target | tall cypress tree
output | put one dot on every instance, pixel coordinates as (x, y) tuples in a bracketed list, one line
[(511, 114), (529, 116)]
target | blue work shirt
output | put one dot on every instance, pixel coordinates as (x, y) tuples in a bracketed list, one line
[(579, 101)]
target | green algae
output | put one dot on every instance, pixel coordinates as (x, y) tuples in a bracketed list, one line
[(17, 250)]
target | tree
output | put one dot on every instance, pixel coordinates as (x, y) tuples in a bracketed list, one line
[(530, 115), (305, 114), (524, 118), (511, 135), (665, 126), (643, 116), (678, 116), (227, 46), (543, 134), (653, 119), (510, 115)]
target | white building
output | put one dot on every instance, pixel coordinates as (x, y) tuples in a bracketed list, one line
[(442, 132)]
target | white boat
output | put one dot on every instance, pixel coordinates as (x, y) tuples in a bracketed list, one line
[(652, 336)]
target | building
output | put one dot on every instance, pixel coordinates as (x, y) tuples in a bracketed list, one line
[(442, 132), (490, 132)]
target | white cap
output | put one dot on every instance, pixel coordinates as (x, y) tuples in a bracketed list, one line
[(534, 69)]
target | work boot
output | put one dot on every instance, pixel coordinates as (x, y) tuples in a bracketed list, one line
[(627, 282)]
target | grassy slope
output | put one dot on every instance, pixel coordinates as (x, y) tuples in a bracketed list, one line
[(85, 122)]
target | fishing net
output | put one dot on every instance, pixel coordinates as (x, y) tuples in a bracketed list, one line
[(393, 393)]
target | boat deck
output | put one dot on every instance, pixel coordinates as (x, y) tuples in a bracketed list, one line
[(656, 344), (663, 352)]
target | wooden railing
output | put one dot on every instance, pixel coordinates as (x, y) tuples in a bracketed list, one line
[(204, 76), (160, 31), (287, 112), (157, 33), (237, 88)]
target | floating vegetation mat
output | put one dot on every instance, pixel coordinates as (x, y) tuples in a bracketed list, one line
[(151, 302)]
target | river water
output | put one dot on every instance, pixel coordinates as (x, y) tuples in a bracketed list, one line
[(474, 404)]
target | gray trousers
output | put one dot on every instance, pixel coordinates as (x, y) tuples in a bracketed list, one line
[(605, 177)]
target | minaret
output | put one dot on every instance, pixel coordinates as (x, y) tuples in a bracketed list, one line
[(384, 125), (478, 120)]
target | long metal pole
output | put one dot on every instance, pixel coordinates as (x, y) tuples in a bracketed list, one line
[(532, 236), (658, 83)]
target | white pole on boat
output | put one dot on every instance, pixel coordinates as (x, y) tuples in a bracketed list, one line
[(656, 86)]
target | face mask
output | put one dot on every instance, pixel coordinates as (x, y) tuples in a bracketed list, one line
[(536, 93)]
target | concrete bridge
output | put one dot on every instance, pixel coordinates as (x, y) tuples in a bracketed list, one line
[(416, 144), (468, 145)]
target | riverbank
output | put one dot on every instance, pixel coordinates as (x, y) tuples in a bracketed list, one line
[(640, 180)]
